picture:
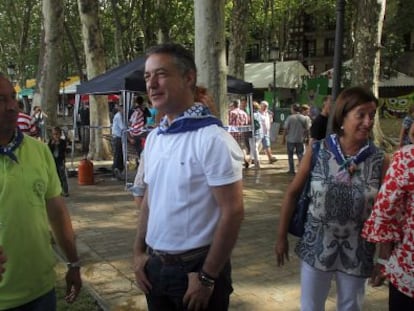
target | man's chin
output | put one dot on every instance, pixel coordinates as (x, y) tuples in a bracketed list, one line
[(159, 105), (7, 131)]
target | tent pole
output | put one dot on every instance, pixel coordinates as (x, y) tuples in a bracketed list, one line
[(75, 115), (124, 136)]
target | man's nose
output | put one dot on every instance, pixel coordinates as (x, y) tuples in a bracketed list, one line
[(152, 82)]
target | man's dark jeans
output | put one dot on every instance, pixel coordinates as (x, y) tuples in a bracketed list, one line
[(47, 302), (291, 149), (169, 284), (118, 154)]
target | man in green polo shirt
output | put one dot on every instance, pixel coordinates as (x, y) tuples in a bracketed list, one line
[(29, 201)]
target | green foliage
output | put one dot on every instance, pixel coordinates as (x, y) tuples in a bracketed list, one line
[(20, 22), (398, 20), (139, 22)]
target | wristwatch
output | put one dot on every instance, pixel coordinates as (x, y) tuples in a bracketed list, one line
[(205, 279), (73, 265)]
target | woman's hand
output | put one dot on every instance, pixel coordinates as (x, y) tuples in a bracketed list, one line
[(282, 251), (377, 276)]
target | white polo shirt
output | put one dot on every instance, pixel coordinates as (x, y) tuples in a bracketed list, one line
[(180, 170)]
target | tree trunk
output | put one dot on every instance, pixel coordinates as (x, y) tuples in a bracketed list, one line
[(48, 96), (366, 46), (238, 38), (24, 38), (148, 25), (99, 148), (163, 24), (37, 99), (74, 51), (366, 62), (118, 42), (210, 53)]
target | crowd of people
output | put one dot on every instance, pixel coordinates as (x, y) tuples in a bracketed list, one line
[(189, 189)]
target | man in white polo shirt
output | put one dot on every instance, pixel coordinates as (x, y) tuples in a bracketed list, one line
[(193, 206)]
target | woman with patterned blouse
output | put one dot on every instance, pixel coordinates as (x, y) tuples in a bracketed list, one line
[(392, 225), (343, 184)]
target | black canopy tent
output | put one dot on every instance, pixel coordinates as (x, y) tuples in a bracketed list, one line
[(113, 80), (128, 79), (135, 82)]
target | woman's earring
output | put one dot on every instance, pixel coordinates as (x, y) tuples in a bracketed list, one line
[(342, 127)]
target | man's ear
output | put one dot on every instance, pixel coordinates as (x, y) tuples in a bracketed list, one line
[(191, 78)]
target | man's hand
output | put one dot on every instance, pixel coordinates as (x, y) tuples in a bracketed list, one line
[(3, 260), (197, 296), (140, 260), (73, 284)]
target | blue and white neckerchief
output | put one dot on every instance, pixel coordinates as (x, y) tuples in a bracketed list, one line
[(13, 145), (195, 117), (348, 164)]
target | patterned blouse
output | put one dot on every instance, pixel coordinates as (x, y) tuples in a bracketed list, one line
[(392, 220), (338, 209)]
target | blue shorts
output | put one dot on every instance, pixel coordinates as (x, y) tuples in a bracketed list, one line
[(266, 141)]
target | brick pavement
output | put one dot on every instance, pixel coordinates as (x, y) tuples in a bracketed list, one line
[(104, 218)]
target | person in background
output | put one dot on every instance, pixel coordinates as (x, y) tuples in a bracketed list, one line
[(344, 182), (25, 122), (247, 135), (320, 124), (84, 124), (118, 128), (391, 226), (411, 133), (305, 110), (57, 145), (405, 126), (40, 122), (137, 122), (266, 119), (295, 125), (30, 204), (314, 111), (193, 175), (255, 141), (151, 119), (238, 119)]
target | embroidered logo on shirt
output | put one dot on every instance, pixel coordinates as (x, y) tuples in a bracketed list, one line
[(39, 188)]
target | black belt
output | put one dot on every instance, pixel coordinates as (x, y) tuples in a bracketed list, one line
[(172, 259)]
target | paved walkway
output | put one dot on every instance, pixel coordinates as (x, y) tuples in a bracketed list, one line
[(104, 217)]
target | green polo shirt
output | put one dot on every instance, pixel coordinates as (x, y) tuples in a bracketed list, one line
[(24, 231)]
